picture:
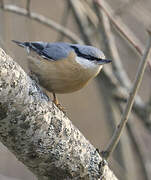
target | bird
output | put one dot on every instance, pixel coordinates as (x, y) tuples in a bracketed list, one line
[(63, 67)]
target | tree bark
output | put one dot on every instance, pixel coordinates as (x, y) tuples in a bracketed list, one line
[(39, 134)]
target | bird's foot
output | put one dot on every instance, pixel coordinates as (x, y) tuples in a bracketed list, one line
[(56, 102), (61, 108)]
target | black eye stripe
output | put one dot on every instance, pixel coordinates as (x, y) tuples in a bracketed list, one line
[(38, 46), (92, 58)]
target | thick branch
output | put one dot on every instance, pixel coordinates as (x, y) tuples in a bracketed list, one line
[(39, 135)]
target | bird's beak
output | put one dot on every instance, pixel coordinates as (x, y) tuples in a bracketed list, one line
[(103, 61)]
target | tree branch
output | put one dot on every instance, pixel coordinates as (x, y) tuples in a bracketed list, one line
[(42, 19), (80, 19), (39, 134), (1, 4), (28, 6), (117, 134), (122, 28), (121, 83), (64, 20)]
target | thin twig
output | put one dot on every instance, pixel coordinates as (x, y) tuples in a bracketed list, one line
[(28, 6), (43, 20), (80, 19), (116, 63), (139, 108), (122, 28), (2, 4), (64, 20), (117, 133), (118, 92), (148, 114), (132, 132), (114, 114), (137, 145), (90, 13)]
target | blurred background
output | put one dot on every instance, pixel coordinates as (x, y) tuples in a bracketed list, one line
[(119, 29)]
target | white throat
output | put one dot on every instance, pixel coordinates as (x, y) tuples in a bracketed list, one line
[(86, 64)]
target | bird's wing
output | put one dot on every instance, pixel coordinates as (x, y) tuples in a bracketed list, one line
[(57, 51), (49, 51)]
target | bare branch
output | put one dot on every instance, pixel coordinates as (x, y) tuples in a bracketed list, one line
[(28, 6), (81, 19), (116, 136), (41, 19), (64, 20), (138, 148), (122, 28), (117, 65), (118, 92), (2, 4), (90, 13), (133, 132)]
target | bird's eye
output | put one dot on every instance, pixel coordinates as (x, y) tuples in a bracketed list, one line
[(86, 56), (92, 58)]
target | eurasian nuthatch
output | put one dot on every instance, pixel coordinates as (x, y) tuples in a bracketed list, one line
[(63, 67)]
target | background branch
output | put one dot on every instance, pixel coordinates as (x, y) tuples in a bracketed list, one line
[(1, 4), (122, 28), (64, 21), (117, 134), (42, 19), (28, 6)]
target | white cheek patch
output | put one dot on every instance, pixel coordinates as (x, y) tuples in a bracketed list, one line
[(86, 63)]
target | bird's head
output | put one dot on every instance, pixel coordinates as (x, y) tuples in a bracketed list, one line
[(89, 56)]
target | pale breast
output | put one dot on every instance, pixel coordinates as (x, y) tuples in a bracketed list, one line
[(62, 76)]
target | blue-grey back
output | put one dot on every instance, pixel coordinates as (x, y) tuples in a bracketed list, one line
[(56, 51)]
